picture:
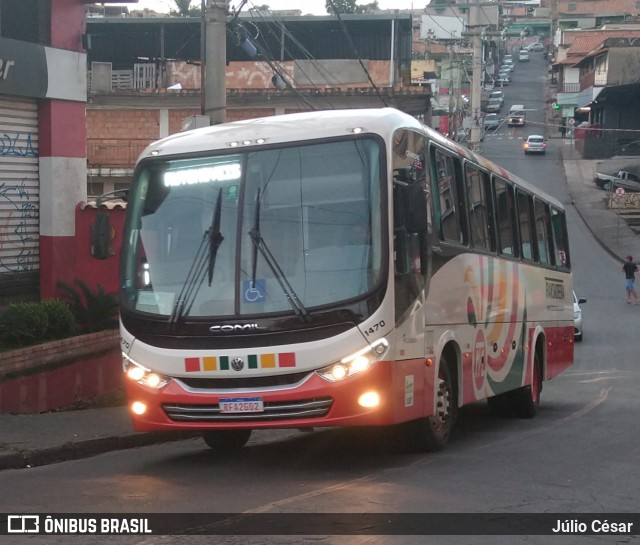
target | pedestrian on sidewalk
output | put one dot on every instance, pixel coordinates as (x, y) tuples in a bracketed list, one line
[(630, 269)]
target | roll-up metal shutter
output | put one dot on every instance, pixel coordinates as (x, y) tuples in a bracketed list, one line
[(19, 198)]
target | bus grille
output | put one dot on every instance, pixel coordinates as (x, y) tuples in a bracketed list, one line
[(308, 408), (249, 382)]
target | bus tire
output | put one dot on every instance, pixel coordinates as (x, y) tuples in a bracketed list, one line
[(226, 439), (523, 402), (527, 399), (432, 433)]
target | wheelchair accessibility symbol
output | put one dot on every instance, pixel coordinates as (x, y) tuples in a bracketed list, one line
[(253, 292)]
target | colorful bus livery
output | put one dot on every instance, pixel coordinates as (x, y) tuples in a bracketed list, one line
[(338, 268)]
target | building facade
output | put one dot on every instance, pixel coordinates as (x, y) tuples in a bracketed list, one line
[(43, 159)]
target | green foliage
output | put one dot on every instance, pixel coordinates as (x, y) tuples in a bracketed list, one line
[(23, 324), (368, 8), (340, 6), (185, 9), (62, 323), (92, 311)]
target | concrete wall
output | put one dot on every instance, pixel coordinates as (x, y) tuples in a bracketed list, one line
[(60, 373)]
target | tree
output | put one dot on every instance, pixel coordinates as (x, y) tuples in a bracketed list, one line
[(340, 6), (368, 8), (185, 9)]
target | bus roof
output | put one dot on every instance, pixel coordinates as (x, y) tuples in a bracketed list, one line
[(284, 128)]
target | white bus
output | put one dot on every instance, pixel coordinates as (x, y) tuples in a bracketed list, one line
[(336, 268)]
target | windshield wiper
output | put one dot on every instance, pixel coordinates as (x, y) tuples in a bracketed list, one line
[(215, 237), (259, 245), (205, 258)]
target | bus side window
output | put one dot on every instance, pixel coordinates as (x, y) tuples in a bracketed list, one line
[(560, 238), (449, 200), (505, 217), (525, 222), (543, 232), (479, 209)]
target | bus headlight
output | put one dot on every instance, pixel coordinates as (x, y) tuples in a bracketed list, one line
[(355, 363), (142, 375)]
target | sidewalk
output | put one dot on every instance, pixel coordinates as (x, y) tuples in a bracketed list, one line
[(39, 439), (33, 440)]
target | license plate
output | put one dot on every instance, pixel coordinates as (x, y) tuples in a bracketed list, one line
[(241, 405)]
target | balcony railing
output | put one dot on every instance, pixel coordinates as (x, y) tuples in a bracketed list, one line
[(571, 88)]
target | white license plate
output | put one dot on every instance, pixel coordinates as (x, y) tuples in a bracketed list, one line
[(241, 405)]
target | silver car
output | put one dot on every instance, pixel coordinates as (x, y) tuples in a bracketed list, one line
[(493, 105), (577, 316), (491, 122), (534, 144)]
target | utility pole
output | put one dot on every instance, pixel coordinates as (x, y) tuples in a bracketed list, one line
[(214, 85), (477, 77)]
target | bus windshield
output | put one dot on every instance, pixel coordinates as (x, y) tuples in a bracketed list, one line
[(254, 232)]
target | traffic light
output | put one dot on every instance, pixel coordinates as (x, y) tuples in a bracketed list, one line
[(556, 106)]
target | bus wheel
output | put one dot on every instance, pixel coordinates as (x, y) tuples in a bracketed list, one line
[(432, 433), (226, 439), (523, 402), (527, 399)]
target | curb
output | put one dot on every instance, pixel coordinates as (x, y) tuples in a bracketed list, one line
[(86, 449)]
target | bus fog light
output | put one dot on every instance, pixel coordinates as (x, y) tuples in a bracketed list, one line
[(369, 400), (139, 408)]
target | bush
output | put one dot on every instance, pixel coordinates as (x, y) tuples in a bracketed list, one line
[(23, 324), (62, 323), (93, 311)]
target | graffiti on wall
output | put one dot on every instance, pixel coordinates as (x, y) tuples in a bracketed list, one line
[(19, 235), (11, 144)]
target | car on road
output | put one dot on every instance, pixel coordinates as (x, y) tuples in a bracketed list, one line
[(537, 46), (507, 67), (502, 82), (577, 316), (497, 94), (491, 122), (505, 75), (494, 105), (523, 55), (534, 143), (516, 116)]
